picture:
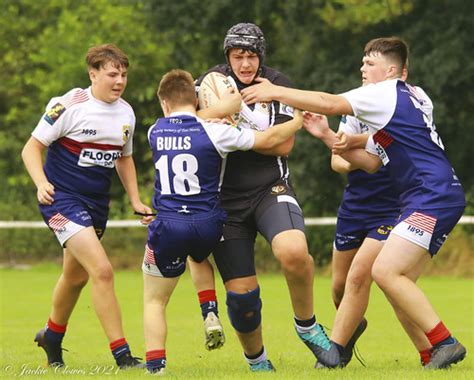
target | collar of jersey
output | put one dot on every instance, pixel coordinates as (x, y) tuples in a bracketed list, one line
[(181, 113)]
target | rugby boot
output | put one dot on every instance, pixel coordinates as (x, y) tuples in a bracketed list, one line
[(346, 354), (126, 361), (263, 366), (213, 332), (318, 342), (54, 351), (446, 354)]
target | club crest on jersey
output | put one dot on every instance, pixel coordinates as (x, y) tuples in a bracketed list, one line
[(53, 114), (279, 189), (126, 132)]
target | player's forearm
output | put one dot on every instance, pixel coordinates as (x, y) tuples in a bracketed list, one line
[(339, 165), (314, 101), (280, 133), (32, 158), (282, 149), (361, 159), (127, 173)]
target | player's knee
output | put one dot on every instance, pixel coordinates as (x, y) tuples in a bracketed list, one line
[(245, 310), (293, 256), (381, 275), (103, 274)]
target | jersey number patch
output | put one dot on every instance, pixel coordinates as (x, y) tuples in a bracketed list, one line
[(183, 176)]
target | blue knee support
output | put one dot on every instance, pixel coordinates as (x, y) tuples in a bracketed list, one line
[(244, 310)]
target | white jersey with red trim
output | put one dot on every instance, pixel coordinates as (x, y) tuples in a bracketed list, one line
[(407, 143), (85, 136)]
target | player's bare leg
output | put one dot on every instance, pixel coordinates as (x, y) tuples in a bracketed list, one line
[(340, 264), (68, 289), (398, 258), (356, 298), (157, 292), (291, 250)]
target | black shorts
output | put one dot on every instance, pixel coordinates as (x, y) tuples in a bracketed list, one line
[(274, 211)]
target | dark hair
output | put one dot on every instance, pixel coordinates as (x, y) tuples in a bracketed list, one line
[(99, 56), (392, 47), (177, 88)]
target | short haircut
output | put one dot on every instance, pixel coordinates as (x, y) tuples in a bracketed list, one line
[(394, 48), (98, 56), (177, 88)]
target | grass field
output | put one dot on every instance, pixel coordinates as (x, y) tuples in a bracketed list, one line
[(25, 304)]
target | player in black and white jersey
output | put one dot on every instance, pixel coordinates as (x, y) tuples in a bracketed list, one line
[(188, 155), (88, 133), (258, 197)]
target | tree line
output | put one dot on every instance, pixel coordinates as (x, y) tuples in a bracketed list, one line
[(317, 43)]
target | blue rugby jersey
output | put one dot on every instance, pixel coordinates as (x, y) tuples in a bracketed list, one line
[(189, 161), (366, 194), (85, 136), (407, 143)]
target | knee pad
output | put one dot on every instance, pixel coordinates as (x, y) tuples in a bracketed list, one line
[(244, 310)]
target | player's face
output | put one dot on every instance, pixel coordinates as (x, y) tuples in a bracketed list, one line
[(244, 64), (375, 68), (109, 82)]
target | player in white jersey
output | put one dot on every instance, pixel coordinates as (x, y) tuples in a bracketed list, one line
[(88, 133), (189, 158), (431, 196)]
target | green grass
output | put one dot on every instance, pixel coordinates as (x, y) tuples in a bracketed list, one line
[(25, 304)]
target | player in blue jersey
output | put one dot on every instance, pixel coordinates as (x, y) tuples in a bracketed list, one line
[(431, 196), (87, 133), (258, 197), (188, 155)]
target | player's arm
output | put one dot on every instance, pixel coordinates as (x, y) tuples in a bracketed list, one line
[(318, 126), (277, 135), (127, 173), (349, 141), (340, 165), (32, 155), (314, 101)]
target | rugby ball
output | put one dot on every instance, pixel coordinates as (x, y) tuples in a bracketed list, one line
[(211, 89)]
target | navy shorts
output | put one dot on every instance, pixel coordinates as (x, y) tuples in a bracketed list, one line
[(68, 215), (351, 232), (428, 228), (172, 237)]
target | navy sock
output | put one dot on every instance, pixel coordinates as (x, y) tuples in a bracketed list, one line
[(119, 348), (155, 360), (306, 322), (208, 307)]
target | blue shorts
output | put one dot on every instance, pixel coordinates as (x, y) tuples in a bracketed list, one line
[(172, 237), (427, 228), (351, 232), (68, 215)]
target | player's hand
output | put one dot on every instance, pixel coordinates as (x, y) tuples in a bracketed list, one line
[(264, 91), (343, 144), (146, 212), (45, 193), (230, 101), (316, 124)]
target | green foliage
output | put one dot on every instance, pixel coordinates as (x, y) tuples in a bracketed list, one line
[(317, 43)]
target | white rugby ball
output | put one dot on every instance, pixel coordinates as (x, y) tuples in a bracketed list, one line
[(212, 87)]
